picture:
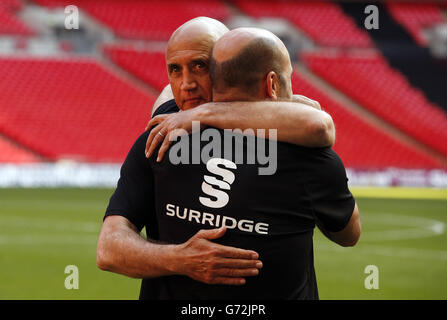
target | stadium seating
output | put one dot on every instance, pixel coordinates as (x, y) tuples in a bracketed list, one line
[(10, 24), (77, 108), (12, 5), (11, 153), (322, 21), (147, 65), (371, 82), (415, 17), (72, 108), (151, 19), (359, 143)]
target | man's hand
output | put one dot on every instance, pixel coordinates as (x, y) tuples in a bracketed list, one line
[(121, 249), (212, 263), (168, 128)]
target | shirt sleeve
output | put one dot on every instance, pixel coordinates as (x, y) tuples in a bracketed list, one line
[(134, 194), (332, 201), (167, 107)]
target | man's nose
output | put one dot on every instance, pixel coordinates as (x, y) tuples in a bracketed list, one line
[(189, 82)]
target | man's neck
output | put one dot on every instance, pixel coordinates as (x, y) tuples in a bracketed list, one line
[(234, 94)]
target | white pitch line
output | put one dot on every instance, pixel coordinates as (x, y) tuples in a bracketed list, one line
[(410, 227), (84, 230), (55, 240), (39, 223)]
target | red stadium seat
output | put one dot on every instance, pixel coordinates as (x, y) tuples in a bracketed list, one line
[(361, 144), (72, 108), (11, 153), (147, 65), (146, 19), (385, 92), (11, 24), (322, 21), (415, 17), (12, 5)]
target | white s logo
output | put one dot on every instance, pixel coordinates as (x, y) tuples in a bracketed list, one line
[(210, 181)]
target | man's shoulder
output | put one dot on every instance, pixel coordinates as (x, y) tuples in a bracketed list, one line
[(311, 160), (167, 107), (140, 143), (303, 153), (326, 165), (326, 153)]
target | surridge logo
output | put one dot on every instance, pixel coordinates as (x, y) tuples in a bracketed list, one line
[(210, 182), (218, 198)]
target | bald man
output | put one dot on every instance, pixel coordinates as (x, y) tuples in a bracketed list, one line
[(121, 249), (273, 215), (298, 120)]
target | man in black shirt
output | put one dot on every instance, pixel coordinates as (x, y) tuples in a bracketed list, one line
[(121, 249)]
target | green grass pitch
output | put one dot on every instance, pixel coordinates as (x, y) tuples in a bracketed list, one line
[(44, 230)]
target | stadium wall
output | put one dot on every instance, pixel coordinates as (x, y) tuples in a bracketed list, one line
[(72, 174)]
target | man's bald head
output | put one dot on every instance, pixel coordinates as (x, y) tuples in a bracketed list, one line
[(187, 60), (242, 59), (201, 31)]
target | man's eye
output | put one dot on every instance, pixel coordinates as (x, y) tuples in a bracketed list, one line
[(174, 69), (200, 65)]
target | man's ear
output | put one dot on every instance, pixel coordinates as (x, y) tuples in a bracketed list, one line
[(272, 85)]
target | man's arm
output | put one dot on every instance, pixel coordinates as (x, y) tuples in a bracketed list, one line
[(164, 96), (335, 209), (122, 250), (349, 236), (296, 123), (305, 100)]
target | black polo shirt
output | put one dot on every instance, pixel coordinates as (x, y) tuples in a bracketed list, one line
[(272, 214)]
